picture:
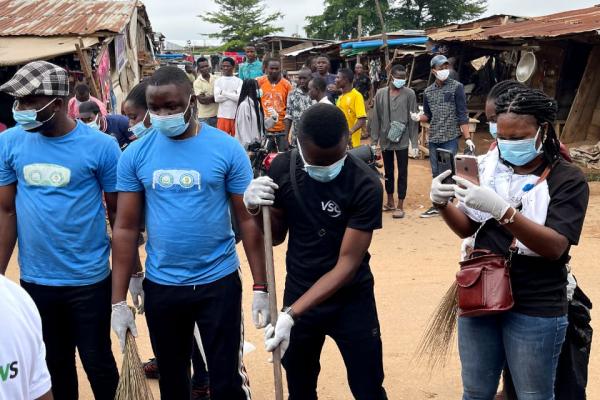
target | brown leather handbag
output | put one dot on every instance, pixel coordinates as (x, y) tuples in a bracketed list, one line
[(484, 284)]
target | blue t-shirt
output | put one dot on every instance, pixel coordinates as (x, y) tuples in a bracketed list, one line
[(61, 220), (187, 185)]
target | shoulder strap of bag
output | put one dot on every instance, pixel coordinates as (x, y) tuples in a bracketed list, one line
[(389, 106)]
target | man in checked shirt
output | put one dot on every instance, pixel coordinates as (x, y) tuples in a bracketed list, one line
[(445, 108)]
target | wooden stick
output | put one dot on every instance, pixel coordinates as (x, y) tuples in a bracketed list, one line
[(266, 213)]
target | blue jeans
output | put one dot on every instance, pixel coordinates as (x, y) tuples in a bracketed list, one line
[(451, 145), (530, 345), (212, 121)]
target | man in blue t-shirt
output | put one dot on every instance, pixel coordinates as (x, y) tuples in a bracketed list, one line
[(184, 175), (53, 171)]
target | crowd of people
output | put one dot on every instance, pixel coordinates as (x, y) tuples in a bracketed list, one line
[(175, 164)]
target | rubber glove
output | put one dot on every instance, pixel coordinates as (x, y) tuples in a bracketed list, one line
[(280, 334), (416, 116), (470, 146), (260, 192), (441, 193), (137, 292), (260, 309), (480, 198), (122, 320)]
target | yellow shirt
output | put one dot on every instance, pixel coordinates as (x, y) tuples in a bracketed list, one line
[(208, 89), (352, 105)]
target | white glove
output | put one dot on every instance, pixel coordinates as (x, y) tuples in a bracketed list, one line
[(274, 114), (470, 145), (441, 193), (260, 309), (414, 152), (260, 192), (416, 116), (137, 292), (122, 320), (280, 334), (480, 198)]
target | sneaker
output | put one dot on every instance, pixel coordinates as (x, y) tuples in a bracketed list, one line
[(432, 212), (151, 369)]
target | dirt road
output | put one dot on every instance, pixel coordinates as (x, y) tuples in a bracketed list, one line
[(414, 261)]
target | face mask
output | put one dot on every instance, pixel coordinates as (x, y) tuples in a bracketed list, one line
[(322, 174), (94, 124), (443, 74), (493, 129), (398, 83), (139, 130), (171, 125), (28, 118), (519, 152)]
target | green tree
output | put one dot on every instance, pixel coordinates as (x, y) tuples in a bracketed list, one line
[(241, 22), (420, 14), (339, 18)]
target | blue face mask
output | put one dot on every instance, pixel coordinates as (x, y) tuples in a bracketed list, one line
[(28, 118), (139, 130), (399, 83), (94, 124), (493, 129), (519, 152), (171, 125), (322, 174)]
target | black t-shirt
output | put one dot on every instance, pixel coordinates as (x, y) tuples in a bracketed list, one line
[(539, 284), (352, 200)]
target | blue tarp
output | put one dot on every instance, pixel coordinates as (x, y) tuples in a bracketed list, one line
[(391, 42), (169, 56)]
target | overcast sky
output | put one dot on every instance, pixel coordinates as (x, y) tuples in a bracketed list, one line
[(177, 20)]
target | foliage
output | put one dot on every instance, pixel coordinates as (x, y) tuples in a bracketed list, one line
[(241, 22), (340, 17)]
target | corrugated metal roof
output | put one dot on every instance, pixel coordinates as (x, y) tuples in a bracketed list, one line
[(554, 25), (549, 26), (63, 17)]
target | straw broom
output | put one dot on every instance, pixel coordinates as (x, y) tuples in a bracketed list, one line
[(438, 337), (132, 382)]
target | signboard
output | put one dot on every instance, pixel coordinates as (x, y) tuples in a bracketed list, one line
[(120, 52)]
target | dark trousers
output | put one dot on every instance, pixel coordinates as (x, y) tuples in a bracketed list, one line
[(171, 312), (388, 166), (350, 319), (77, 317)]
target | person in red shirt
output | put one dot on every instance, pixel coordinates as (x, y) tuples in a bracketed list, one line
[(275, 90), (82, 94)]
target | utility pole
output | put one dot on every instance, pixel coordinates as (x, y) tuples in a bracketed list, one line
[(383, 35), (359, 36)]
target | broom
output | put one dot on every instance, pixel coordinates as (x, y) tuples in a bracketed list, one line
[(132, 382), (438, 337)]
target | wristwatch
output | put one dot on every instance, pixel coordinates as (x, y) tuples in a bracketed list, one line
[(288, 310)]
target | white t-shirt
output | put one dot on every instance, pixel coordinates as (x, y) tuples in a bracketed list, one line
[(23, 370), (227, 94)]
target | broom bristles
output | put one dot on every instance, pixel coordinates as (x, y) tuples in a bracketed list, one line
[(436, 343), (132, 382)]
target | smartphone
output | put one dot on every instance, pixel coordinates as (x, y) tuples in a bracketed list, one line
[(467, 168), (445, 161)]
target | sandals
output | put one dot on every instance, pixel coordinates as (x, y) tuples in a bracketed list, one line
[(398, 214), (388, 208)]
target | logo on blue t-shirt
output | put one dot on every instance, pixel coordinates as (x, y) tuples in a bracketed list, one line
[(175, 179), (42, 174)]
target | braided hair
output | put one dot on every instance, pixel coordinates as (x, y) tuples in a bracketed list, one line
[(250, 91), (503, 87), (526, 101)]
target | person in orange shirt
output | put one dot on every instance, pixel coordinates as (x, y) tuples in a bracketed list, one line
[(275, 90)]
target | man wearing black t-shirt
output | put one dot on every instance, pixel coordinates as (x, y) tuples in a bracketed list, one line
[(330, 202)]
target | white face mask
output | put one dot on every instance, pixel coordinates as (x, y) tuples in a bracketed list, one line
[(443, 74)]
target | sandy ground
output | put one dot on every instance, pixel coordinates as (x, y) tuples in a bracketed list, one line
[(414, 261)]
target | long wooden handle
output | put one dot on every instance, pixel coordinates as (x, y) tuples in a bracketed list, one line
[(266, 212)]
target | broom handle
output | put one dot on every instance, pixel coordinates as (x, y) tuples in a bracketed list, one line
[(266, 212)]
